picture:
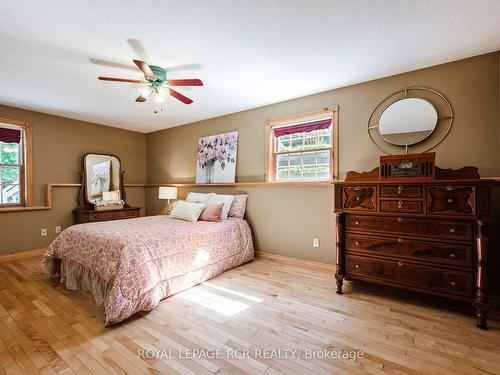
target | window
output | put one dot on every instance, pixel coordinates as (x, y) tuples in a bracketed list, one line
[(15, 163), (303, 147)]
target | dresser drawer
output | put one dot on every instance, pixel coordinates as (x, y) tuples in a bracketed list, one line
[(359, 198), (451, 200), (401, 191), (456, 230), (398, 272), (113, 215), (401, 206), (457, 255)]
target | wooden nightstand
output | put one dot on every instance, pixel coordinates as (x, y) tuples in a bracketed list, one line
[(85, 215)]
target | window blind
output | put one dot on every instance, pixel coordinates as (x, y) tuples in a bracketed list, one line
[(10, 135), (302, 127)]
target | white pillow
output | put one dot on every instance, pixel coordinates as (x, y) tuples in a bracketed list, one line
[(226, 199), (198, 197), (189, 211)]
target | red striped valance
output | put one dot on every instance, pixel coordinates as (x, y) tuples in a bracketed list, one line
[(10, 135), (303, 127)]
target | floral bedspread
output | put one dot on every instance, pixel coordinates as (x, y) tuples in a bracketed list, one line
[(130, 265)]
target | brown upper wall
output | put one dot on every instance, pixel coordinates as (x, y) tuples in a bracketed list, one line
[(471, 85), (58, 147)]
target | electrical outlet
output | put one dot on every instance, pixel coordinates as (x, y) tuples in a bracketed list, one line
[(43, 232), (58, 229), (315, 242)]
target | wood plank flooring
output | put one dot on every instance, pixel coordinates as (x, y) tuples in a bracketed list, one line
[(236, 317)]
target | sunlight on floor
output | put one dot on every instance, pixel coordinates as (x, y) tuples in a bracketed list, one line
[(234, 292), (214, 302)]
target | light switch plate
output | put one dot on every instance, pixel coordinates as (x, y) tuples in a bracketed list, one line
[(315, 242), (43, 232)]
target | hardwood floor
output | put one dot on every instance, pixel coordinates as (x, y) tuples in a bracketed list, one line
[(264, 305)]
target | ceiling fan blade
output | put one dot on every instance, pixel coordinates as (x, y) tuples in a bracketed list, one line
[(141, 99), (179, 96), (113, 64), (119, 79), (178, 68), (139, 49), (184, 82), (145, 69)]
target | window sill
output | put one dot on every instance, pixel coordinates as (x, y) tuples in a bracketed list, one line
[(22, 208), (300, 183), (250, 184)]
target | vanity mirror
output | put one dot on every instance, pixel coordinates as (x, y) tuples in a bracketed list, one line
[(102, 193), (102, 174), (414, 117)]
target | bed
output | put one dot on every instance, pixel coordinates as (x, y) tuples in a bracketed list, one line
[(131, 265)]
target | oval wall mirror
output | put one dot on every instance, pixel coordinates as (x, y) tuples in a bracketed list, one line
[(413, 119), (408, 121)]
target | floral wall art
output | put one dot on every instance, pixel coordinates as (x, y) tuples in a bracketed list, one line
[(217, 158)]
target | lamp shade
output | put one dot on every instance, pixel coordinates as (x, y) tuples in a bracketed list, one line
[(167, 192)]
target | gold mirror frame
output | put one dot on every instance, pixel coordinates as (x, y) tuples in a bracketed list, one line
[(442, 129)]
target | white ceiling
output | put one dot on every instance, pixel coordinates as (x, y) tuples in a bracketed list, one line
[(249, 53)]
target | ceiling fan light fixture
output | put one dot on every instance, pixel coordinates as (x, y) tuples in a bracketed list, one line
[(155, 82), (159, 98), (145, 90), (160, 91)]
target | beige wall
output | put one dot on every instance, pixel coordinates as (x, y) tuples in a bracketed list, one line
[(286, 219), (58, 146)]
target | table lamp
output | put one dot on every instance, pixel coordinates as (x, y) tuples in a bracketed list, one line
[(167, 192)]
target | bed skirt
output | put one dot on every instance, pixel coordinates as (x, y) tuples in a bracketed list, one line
[(78, 277)]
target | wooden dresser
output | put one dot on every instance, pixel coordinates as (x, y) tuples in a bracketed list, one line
[(86, 215), (426, 235)]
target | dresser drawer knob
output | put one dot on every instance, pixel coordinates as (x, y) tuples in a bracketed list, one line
[(452, 230), (449, 188), (400, 188), (400, 219), (357, 265), (452, 283), (356, 243), (358, 198), (400, 240), (356, 223), (400, 204), (453, 255), (450, 200), (357, 188), (400, 264)]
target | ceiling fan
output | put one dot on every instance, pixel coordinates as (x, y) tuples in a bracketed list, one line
[(155, 82)]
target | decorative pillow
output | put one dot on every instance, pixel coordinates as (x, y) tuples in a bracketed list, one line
[(189, 211), (226, 199), (238, 206), (212, 212), (198, 197)]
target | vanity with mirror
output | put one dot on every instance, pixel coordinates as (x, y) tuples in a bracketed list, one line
[(408, 223), (102, 194)]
